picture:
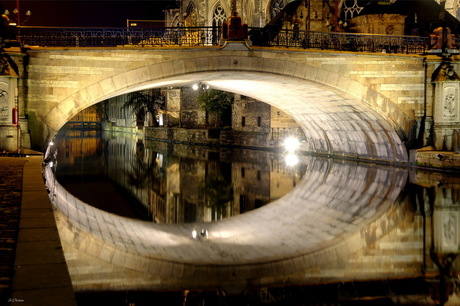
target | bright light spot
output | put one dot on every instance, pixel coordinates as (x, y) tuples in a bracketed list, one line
[(51, 143), (291, 160), (194, 233), (291, 144), (51, 164), (195, 86)]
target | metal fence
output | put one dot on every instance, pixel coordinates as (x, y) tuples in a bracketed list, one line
[(111, 37), (340, 41), (210, 36)]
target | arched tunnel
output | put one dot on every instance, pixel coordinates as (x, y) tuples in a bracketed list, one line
[(334, 122), (320, 221)]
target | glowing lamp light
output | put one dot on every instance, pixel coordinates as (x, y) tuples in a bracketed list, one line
[(291, 144), (51, 143), (194, 233), (195, 86), (291, 160)]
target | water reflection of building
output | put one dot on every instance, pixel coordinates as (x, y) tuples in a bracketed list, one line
[(191, 186), (199, 184), (258, 183), (188, 187), (178, 183), (77, 145)]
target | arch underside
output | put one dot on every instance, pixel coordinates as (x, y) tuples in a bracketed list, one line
[(319, 221), (333, 123)]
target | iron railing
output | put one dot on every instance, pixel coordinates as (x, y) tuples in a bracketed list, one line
[(111, 37), (210, 36), (340, 41)]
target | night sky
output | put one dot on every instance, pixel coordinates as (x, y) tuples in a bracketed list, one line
[(86, 13)]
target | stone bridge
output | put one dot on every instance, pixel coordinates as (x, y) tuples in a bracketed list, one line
[(369, 106), (366, 105)]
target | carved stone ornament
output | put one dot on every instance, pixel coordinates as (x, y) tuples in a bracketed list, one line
[(4, 106), (450, 101)]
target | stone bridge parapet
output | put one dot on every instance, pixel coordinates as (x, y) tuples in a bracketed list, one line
[(378, 99)]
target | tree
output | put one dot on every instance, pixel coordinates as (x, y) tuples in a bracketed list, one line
[(102, 109), (217, 193), (218, 102), (146, 101)]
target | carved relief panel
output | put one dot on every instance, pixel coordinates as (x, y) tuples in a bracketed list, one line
[(450, 98), (448, 103), (6, 104)]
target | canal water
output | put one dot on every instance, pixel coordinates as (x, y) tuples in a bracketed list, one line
[(139, 179), (163, 182)]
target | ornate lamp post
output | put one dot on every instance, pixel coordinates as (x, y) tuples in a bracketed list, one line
[(16, 19)]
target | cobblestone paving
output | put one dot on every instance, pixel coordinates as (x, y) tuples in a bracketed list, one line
[(11, 170)]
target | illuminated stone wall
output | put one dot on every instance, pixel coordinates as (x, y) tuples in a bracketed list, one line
[(302, 84), (387, 24), (8, 131)]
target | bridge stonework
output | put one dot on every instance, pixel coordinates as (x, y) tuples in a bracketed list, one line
[(382, 95)]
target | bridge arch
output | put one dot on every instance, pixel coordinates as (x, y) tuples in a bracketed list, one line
[(339, 114)]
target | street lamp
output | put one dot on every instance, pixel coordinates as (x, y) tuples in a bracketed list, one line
[(16, 19)]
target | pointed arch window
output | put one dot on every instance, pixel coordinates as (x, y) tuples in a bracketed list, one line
[(218, 17), (190, 8), (191, 19)]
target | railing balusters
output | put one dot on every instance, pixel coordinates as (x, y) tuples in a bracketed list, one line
[(210, 36)]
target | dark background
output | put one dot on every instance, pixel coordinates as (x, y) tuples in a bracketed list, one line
[(86, 13)]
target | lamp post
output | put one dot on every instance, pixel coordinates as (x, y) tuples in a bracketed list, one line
[(16, 19)]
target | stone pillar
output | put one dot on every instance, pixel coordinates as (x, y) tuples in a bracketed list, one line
[(10, 132), (173, 107), (446, 108)]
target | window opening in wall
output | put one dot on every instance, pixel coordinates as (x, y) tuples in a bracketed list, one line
[(258, 175), (242, 172), (242, 203), (259, 121), (243, 121), (219, 16), (218, 19)]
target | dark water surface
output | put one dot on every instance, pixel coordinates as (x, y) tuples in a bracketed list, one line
[(169, 183), (176, 183)]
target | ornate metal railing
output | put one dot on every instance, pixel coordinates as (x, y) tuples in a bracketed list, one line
[(210, 36), (340, 41), (110, 37)]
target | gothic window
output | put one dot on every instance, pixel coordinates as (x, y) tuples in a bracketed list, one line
[(192, 17), (276, 7), (218, 17), (190, 8)]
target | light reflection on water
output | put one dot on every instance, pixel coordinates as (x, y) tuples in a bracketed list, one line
[(169, 183), (173, 183)]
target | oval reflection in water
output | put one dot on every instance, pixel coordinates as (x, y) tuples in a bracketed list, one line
[(169, 183), (324, 219)]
